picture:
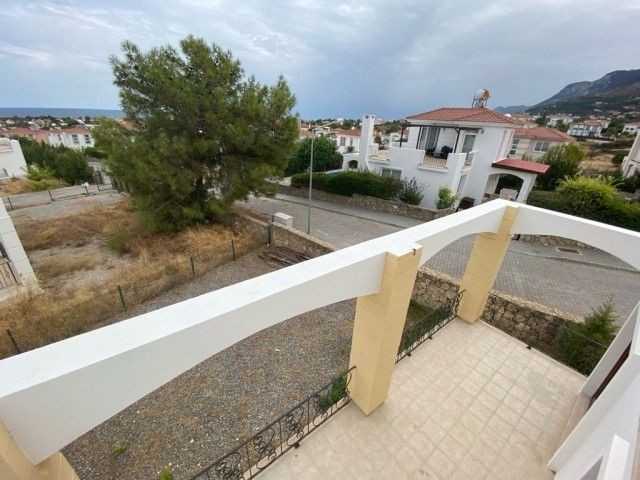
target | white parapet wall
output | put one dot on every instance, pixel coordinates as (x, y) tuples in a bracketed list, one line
[(12, 163), (12, 247), (52, 395)]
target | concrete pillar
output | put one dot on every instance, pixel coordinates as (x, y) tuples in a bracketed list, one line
[(483, 267), (14, 464), (377, 330)]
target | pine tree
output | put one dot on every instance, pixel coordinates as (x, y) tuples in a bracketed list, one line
[(205, 134)]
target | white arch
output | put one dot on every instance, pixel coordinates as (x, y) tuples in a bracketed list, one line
[(52, 395)]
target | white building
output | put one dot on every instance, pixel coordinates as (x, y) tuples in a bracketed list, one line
[(554, 120), (12, 163), (588, 128), (76, 137), (348, 141), (464, 149), (533, 142), (631, 163), (632, 128)]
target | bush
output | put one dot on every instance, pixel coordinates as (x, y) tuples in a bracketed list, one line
[(36, 173), (446, 198), (615, 211), (586, 196), (564, 161), (337, 391), (94, 152), (618, 158), (325, 156), (72, 167), (165, 474), (348, 183), (411, 192), (582, 345)]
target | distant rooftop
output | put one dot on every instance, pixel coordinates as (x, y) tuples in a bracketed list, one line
[(542, 133)]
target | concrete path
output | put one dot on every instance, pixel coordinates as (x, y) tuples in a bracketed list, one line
[(569, 282)]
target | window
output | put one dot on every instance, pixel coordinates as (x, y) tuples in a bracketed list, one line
[(428, 139), (59, 137), (467, 144), (541, 146), (351, 142), (343, 141), (75, 139), (391, 172), (514, 146), (87, 139)]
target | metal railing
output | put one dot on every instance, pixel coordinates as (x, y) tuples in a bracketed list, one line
[(252, 456), (425, 328)]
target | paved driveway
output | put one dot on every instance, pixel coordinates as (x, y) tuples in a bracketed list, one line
[(569, 282)]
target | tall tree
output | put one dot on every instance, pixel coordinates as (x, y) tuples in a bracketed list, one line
[(206, 135)]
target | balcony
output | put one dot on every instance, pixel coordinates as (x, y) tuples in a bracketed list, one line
[(468, 398), (472, 403)]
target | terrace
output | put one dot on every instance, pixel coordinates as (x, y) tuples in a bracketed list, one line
[(468, 399)]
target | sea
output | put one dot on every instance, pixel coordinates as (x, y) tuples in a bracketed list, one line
[(59, 112)]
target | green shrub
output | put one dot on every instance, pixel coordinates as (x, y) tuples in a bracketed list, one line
[(564, 161), (119, 449), (446, 198), (165, 474), (72, 167), (37, 173), (348, 183), (586, 196), (119, 242), (94, 152), (411, 192), (337, 391), (581, 346), (325, 156), (618, 158)]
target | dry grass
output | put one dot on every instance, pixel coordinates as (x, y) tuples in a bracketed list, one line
[(15, 186), (55, 267), (157, 264)]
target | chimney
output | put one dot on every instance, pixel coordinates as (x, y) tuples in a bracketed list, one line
[(366, 140)]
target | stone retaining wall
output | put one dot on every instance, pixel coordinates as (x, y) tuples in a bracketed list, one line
[(532, 323), (554, 241), (372, 203)]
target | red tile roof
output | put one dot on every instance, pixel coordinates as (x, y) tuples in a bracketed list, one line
[(472, 114), (354, 132), (520, 165), (543, 133)]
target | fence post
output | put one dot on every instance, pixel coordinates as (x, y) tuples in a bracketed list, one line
[(269, 234), (86, 189), (124, 305), (50, 195), (13, 341), (233, 249), (193, 267), (10, 204)]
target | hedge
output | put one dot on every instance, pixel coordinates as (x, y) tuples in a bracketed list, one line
[(615, 211), (348, 183)]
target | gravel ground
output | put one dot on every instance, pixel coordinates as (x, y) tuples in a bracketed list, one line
[(201, 415)]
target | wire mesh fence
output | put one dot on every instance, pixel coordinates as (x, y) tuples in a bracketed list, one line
[(44, 197), (39, 319)]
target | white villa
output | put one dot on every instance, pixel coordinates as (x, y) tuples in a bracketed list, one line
[(588, 128), (346, 140), (76, 137), (633, 128), (631, 163), (12, 163), (465, 149), (532, 142)]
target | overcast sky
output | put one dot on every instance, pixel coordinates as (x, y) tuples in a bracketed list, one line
[(341, 59)]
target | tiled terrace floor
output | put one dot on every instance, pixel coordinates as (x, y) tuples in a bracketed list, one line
[(472, 403)]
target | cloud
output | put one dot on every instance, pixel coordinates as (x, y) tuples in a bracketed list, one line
[(342, 58)]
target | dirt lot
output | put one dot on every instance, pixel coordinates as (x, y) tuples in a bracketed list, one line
[(84, 248), (599, 164)]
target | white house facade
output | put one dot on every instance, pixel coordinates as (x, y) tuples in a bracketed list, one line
[(76, 138), (464, 149), (631, 128), (631, 163), (12, 163), (588, 128), (348, 141), (533, 142)]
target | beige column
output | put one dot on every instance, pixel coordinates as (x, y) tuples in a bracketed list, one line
[(14, 465), (377, 330), (483, 267)]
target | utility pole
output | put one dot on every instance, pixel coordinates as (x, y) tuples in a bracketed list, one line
[(310, 184)]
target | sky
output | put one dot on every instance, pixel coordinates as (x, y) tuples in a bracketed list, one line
[(341, 59)]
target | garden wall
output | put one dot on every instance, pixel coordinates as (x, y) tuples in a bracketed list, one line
[(530, 322), (553, 241), (371, 203)]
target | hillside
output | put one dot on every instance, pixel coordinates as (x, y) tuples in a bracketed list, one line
[(511, 109), (618, 90)]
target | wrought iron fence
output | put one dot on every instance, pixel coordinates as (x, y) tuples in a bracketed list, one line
[(424, 329), (248, 459)]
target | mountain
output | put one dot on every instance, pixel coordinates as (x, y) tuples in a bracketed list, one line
[(618, 90), (511, 109)]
